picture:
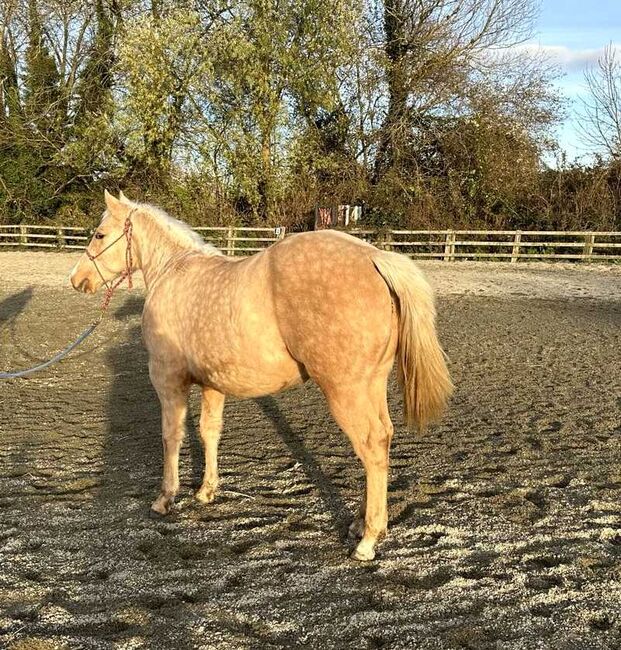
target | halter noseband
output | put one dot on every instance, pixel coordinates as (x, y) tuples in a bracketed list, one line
[(127, 272)]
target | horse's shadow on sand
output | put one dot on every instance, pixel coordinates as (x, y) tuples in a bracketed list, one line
[(14, 305), (329, 493), (10, 308), (132, 447)]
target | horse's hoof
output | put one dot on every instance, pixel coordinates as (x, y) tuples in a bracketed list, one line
[(162, 506), (205, 495), (154, 514), (363, 553)]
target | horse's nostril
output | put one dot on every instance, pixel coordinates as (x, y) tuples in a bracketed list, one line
[(80, 285)]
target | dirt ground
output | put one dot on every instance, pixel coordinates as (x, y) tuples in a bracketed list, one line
[(505, 519)]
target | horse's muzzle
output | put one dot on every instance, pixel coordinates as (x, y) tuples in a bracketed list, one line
[(83, 285)]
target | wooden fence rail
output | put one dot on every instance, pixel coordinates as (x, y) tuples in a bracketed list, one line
[(241, 241), (229, 240), (502, 245), (447, 245)]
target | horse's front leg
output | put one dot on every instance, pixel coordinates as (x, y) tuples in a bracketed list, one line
[(173, 400), (210, 428)]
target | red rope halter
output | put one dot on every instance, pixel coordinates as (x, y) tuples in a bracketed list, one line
[(129, 262)]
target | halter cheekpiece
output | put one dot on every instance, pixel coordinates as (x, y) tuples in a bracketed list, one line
[(127, 272)]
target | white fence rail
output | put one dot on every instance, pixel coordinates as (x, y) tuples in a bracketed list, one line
[(447, 245)]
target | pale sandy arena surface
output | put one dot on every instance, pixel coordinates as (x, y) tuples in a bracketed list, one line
[(505, 519)]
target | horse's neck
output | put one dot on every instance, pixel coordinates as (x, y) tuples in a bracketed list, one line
[(156, 249)]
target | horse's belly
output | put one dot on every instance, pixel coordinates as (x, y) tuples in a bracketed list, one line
[(252, 378)]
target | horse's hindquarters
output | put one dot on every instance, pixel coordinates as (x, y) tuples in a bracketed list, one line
[(334, 310)]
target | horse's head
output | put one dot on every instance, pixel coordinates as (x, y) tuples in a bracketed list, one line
[(109, 252)]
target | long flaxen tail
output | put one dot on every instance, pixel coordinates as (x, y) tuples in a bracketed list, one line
[(421, 361)]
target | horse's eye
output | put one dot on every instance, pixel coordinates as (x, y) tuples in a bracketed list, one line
[(99, 235)]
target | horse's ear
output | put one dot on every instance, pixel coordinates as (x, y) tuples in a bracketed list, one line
[(115, 207), (123, 198)]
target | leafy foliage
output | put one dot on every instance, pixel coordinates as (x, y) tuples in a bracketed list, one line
[(256, 110)]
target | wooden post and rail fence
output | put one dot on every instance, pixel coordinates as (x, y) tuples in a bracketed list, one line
[(447, 245)]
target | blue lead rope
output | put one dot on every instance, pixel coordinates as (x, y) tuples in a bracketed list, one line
[(110, 288), (29, 371)]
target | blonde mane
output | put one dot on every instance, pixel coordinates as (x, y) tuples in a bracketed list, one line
[(175, 230)]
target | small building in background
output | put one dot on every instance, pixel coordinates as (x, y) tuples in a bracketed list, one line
[(337, 216)]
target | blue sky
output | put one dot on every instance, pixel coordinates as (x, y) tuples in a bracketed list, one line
[(573, 33)]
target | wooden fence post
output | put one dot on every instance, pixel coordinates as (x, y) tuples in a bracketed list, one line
[(23, 235), (515, 251), (60, 238), (589, 240), (230, 241), (449, 246)]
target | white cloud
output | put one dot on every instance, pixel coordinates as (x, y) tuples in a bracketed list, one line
[(570, 59)]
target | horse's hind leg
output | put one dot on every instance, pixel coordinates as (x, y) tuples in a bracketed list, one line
[(357, 527), (210, 428), (360, 410), (173, 400)]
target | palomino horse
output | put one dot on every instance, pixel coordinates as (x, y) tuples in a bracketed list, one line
[(322, 305)]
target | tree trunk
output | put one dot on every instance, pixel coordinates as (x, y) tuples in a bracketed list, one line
[(396, 48), (265, 184)]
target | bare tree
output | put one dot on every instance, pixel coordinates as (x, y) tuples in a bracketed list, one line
[(600, 123), (431, 48)]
